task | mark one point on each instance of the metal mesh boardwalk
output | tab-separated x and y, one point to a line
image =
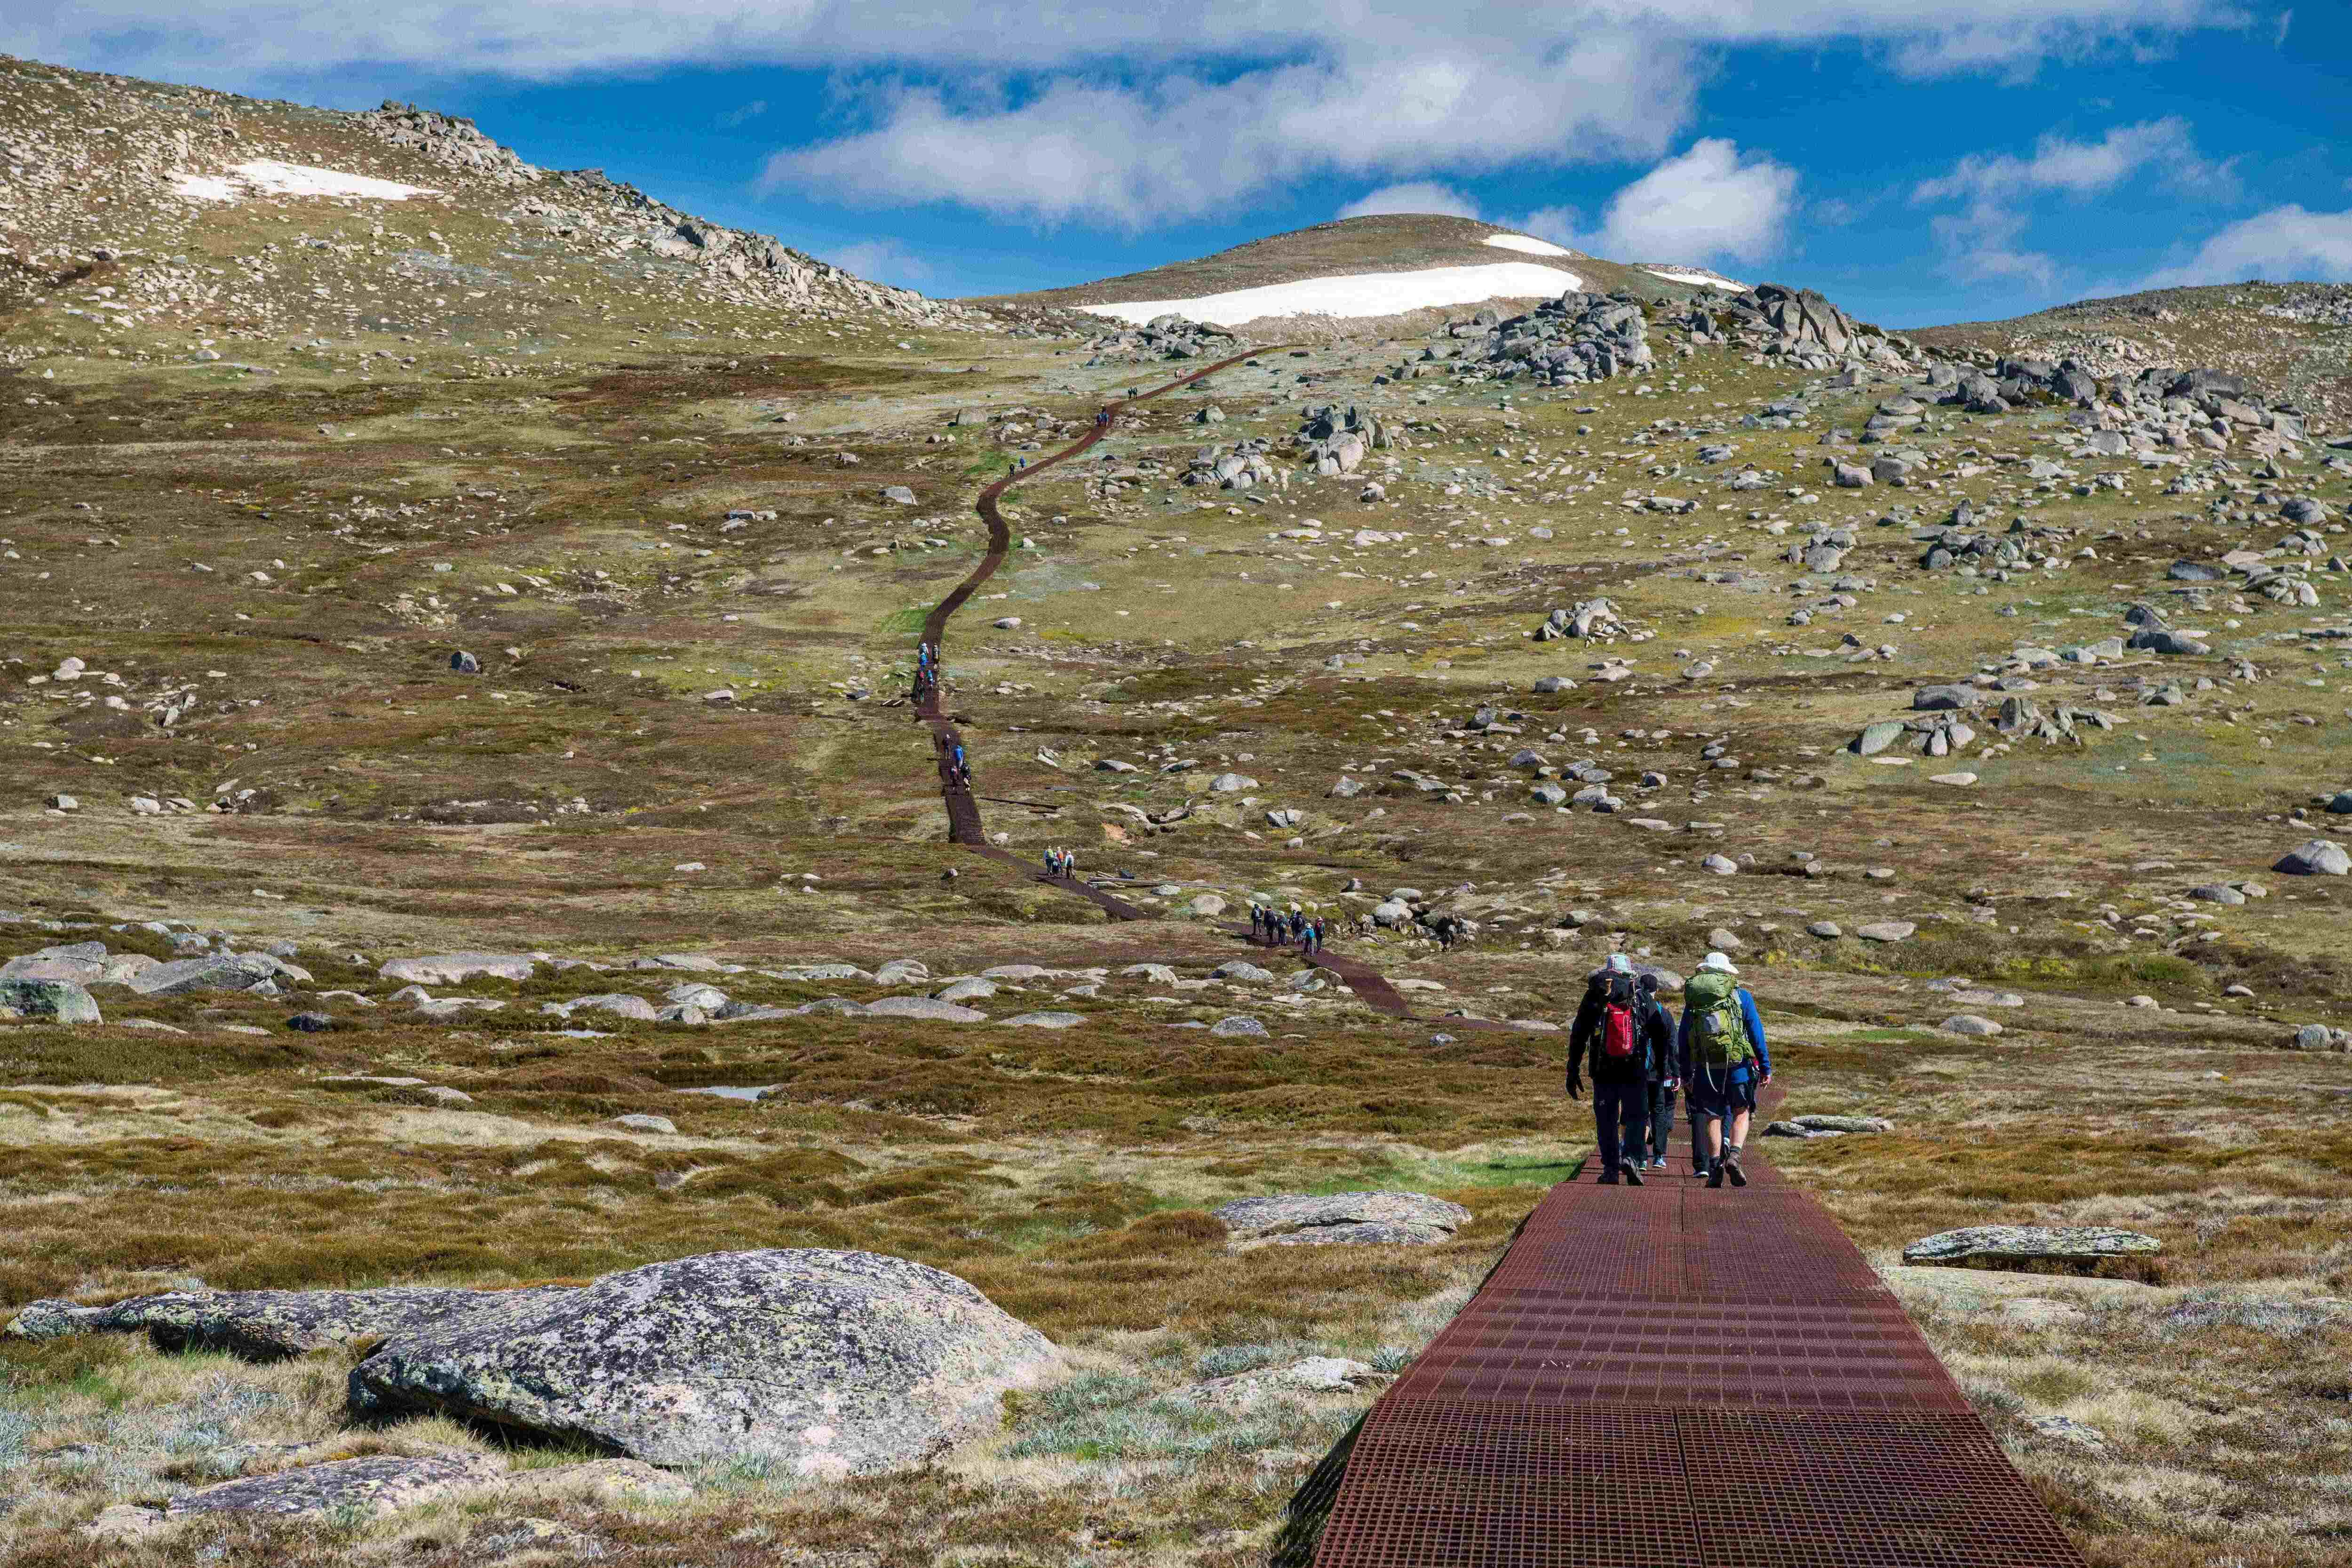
1673	1377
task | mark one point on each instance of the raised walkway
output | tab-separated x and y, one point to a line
1671	1376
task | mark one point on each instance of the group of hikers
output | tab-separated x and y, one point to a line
1277	928
927	668
1061	863
1714	1055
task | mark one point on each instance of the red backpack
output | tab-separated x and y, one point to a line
1617	1018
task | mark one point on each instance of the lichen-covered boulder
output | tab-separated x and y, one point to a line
2025	1243
270	1325
1342	1219
823	1363
62	1001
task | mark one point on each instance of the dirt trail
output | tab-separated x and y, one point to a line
964	824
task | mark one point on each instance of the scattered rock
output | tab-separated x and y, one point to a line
926	1008
60	1001
344	1488
1886	931
2022	1243
639	1122
2314	858
271	1325
457	968
1297	1219
1969	1024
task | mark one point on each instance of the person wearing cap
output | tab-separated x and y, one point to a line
1723	1058
1627	1033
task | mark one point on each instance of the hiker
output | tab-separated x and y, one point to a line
1298	923
1722	1059
1258	924
1623	1037
1664	1081
958	773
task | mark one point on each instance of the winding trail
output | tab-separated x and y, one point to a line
964	824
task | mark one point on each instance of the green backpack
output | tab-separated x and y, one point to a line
1718	1029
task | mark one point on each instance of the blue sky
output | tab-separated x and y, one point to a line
1920	161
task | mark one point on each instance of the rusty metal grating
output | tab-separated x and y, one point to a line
1669	1375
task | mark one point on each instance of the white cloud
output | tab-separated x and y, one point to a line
1139	156
2283	243
553	38
1417	196
879	261
1113	112
1994	192
1708	203
2077	168
749	111
2285	20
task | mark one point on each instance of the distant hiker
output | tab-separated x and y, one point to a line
1258	924
1298	923
1663	1076
1623	1037
1723	1059
958	770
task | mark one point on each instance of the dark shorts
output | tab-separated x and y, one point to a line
1718	1092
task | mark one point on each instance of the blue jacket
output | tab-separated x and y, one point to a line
1755	1035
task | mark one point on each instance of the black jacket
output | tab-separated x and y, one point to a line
1653	1038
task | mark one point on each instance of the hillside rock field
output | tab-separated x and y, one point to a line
501	1062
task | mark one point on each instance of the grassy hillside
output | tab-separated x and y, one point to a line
527	420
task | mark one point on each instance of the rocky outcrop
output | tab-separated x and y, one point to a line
824	1364
585	205
1167	337
1342	1219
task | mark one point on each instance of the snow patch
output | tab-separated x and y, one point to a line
1358	294
268	177
1526	243
1697	279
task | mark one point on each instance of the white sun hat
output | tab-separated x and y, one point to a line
1717	960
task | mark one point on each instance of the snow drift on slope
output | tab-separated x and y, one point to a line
1697	279
1528	243
268	177
1358	294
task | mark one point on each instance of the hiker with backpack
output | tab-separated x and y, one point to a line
1662	1078
1625	1033
1723	1059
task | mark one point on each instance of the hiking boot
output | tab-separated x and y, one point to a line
1607	1178
1715	1177
1659	1163
1632	1176
1731	1168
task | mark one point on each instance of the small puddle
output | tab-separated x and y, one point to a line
734	1090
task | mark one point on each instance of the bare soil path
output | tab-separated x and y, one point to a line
964	824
